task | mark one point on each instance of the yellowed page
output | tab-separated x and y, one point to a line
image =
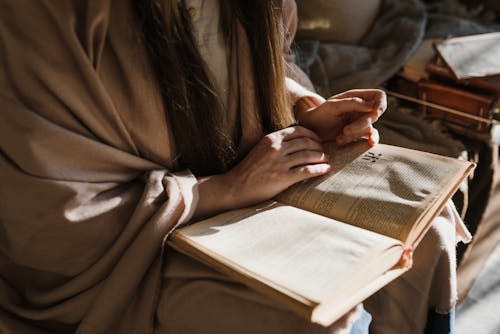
301	254
383	188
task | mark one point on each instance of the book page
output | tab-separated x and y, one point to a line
295	251
385	189
414	68
472	56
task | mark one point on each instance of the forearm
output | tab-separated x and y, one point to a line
303	108
216	194
303	101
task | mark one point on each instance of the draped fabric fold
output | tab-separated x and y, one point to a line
89	183
88	195
88	190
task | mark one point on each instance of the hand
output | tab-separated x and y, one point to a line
278	161
345	117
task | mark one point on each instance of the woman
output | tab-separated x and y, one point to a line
121	120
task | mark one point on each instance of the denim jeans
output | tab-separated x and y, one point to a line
361	325
436	323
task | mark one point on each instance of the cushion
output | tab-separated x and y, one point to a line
334	20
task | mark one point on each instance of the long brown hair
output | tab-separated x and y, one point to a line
193	108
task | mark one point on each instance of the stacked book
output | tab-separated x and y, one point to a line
462	75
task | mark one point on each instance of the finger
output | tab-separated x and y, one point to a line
350	134
303	158
368	94
301	173
374	137
383	101
350	104
297	131
358	127
300	144
380	106
376	97
370	133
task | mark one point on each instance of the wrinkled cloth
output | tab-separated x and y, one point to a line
338	66
379	55
87	196
197	299
406	128
90	186
333	66
486	239
430	286
395	34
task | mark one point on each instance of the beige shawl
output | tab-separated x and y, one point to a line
86	193
87	196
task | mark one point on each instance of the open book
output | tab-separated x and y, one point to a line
326	244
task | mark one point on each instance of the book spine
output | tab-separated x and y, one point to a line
480	85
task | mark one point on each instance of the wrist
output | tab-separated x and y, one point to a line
216	194
304	108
